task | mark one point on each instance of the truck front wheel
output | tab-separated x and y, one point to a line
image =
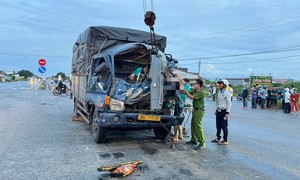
161	132
99	133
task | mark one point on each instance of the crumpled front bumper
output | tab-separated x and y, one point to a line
130	120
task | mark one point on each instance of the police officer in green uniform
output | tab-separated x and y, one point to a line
196	124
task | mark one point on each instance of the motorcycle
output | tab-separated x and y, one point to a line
58	91
240	98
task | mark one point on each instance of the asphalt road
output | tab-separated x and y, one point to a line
40	141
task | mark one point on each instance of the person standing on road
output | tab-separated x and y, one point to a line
274	95
222	112
254	96
263	95
245	94
258	100
287	105
283	98
295	101
197	133
269	98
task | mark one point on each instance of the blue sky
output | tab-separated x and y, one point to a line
196	30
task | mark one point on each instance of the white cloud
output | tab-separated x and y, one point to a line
249	69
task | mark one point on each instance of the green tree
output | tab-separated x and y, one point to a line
25	73
62	75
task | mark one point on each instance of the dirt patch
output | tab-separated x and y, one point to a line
149	150
105	156
118	155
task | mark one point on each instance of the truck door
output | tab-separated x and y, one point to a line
157	83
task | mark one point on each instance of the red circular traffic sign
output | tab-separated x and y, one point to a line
42	62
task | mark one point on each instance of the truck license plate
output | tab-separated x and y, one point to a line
148	117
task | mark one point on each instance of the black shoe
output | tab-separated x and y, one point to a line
215	140
191	142
200	147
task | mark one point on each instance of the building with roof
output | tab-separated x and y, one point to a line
238	81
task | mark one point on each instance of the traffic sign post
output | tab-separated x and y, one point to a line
42	69
42	62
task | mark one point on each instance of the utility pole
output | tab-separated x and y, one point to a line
199	65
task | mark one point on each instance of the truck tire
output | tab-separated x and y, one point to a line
99	133
160	132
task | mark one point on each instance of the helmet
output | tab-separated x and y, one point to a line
224	81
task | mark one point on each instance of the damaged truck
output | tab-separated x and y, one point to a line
106	96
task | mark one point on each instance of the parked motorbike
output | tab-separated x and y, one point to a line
240	98
58	91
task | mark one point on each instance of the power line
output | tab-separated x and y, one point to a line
252	27
258	60
243	54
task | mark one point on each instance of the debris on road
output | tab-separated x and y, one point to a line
77	118
115	166
124	170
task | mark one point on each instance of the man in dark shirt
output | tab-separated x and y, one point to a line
269	98
245	94
274	94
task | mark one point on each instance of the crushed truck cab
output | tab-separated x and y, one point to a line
105	60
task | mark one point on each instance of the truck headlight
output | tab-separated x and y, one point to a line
116	105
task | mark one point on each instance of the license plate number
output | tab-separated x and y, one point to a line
148	117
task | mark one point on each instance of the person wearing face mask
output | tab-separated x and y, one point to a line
222	112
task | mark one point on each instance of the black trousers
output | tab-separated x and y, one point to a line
268	102
221	124
283	102
287	107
